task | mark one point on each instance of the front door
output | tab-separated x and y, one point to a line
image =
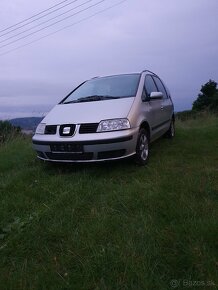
156	112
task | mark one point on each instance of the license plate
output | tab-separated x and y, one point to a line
63	147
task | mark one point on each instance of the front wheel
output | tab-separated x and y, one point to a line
142	147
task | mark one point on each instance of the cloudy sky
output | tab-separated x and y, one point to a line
178	40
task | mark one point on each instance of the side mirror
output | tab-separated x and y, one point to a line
156	96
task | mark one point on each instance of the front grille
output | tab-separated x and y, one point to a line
88	128
70	156
111	154
50	129
67	130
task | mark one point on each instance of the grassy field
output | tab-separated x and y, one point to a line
113	225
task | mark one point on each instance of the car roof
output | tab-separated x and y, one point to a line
123	74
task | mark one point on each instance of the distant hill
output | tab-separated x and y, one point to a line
28	123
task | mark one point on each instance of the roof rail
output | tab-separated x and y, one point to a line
150	72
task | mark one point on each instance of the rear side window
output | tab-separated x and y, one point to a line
161	87
150	85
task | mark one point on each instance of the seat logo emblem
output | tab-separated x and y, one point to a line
66	130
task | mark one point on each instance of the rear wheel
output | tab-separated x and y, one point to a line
142	147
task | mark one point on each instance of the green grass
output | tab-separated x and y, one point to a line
112	225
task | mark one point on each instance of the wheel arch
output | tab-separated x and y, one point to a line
146	126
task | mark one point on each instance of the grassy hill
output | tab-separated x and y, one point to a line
113	225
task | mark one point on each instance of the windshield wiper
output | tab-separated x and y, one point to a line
92	99
95	98
70	102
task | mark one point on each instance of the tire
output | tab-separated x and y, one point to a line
171	131
142	148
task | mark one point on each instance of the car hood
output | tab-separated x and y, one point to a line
88	112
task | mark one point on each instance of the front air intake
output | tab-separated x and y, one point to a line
88	128
50	129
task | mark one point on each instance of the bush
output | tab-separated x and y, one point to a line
208	98
8	131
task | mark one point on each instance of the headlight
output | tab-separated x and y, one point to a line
113	125
40	128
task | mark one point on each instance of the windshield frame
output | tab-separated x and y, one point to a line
129	74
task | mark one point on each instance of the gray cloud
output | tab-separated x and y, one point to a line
175	39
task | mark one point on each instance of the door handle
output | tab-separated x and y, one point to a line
161	108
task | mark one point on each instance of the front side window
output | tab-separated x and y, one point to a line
150	85
98	89
161	87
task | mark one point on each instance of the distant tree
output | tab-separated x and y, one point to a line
208	98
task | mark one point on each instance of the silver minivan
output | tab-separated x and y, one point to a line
107	118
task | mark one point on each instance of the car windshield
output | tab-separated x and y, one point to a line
106	88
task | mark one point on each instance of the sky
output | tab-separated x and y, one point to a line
178	40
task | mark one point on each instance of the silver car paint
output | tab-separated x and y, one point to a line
90	112
150	112
134	109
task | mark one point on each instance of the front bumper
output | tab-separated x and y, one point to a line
86	147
